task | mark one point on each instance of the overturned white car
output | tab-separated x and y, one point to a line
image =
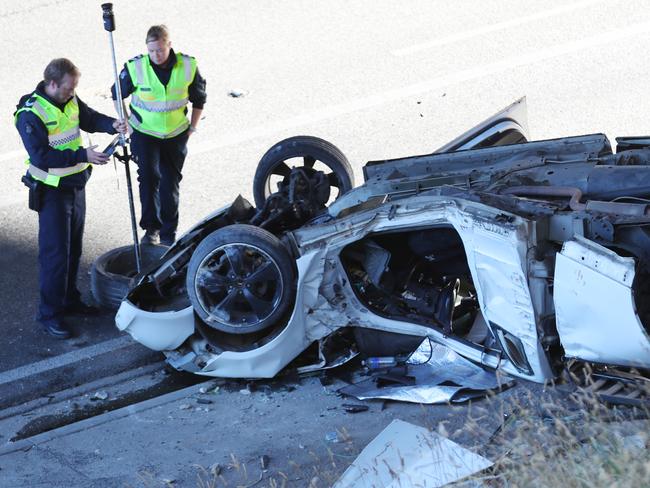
517	255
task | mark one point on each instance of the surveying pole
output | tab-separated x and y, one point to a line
109	25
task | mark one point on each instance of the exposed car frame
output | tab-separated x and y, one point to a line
517	255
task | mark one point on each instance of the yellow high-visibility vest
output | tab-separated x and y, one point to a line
62	133
162	109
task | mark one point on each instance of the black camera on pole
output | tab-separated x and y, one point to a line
109	18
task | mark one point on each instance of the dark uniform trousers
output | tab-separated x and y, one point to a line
60	231
160	162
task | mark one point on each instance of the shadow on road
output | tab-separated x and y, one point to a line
23	339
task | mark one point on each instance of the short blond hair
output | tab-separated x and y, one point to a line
157	33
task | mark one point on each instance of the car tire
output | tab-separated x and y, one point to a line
272	163
112	273
241	279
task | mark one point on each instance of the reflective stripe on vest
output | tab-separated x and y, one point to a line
62	133
158	106
160	109
53	175
64	138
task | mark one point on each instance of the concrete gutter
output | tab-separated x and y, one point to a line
27	444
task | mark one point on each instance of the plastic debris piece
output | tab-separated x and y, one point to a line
635	442
237	93
332	437
380	362
99	395
354	408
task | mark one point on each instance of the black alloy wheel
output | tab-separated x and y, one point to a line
307	152
241	279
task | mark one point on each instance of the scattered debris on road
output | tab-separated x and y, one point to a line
237	93
433	374
332	437
100	395
354	408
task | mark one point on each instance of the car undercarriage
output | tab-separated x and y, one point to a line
517	255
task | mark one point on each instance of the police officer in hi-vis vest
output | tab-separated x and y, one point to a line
49	121
161	84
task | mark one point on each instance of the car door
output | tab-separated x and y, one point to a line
508	126
595	306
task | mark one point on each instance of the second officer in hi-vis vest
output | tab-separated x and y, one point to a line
49	121
161	84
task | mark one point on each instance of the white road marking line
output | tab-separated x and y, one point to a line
64	359
461	36
395	94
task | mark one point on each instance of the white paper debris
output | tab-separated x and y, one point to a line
404	454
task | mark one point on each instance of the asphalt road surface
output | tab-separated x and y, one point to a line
379	79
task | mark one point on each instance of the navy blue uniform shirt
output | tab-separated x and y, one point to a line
34	135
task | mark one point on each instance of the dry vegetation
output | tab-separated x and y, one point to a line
572	440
